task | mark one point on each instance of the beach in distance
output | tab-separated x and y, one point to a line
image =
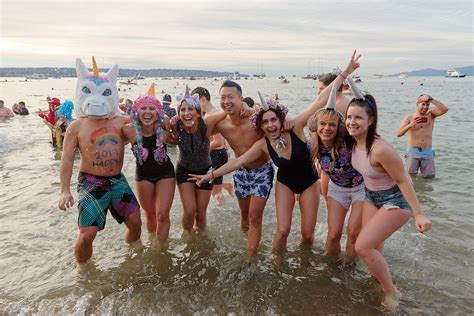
206	275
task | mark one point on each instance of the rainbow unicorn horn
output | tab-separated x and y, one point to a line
151	90
262	100
95	70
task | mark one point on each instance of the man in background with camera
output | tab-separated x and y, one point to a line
419	126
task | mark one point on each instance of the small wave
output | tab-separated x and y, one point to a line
7	142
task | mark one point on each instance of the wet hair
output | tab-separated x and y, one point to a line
328	78
250	102
21	103
203	92
371	108
1	101
316	144
231	84
167	99
277	110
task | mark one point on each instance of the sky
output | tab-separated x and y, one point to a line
276	37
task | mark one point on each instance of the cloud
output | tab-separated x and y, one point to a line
287	37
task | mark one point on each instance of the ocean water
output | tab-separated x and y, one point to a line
206	275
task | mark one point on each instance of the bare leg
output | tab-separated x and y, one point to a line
187	193
164	192
244	205
284	202
257	205
134	227
336	216
354	226
309	204
83	247
202	198
146	196
381	225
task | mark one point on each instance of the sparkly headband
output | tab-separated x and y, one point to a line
192	100
266	105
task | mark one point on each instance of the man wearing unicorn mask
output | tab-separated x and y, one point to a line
97	133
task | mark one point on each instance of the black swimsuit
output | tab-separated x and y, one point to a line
297	173
150	170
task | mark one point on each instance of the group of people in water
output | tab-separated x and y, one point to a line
17	108
359	170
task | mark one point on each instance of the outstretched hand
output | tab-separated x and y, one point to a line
199	178
353	63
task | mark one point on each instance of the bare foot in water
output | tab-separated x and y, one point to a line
391	301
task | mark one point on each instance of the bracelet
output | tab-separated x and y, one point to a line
342	75
212	173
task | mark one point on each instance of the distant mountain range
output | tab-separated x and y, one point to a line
127	73
468	70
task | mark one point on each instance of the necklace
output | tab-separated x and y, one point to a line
280	144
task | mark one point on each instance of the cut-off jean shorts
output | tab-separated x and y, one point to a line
389	199
345	196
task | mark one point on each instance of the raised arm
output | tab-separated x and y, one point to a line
67	162
212	120
250	155
302	118
441	109
388	158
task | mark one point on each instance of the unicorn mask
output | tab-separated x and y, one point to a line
96	93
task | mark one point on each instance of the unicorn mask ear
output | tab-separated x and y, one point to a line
358	94
263	101
81	69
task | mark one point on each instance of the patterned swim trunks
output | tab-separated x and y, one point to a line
257	182
97	194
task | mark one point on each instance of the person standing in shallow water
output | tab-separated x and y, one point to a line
154	173
191	133
419	126
97	134
289	151
390	196
5	113
219	154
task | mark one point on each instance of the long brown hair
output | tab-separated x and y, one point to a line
371	109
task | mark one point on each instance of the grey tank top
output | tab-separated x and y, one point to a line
194	148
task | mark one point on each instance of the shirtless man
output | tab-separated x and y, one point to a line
219	154
253	182
97	133
5	113
419	126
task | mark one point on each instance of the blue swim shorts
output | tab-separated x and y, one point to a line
257	182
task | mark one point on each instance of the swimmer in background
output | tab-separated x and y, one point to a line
419	126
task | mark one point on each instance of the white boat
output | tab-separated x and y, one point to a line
36	76
403	76
453	73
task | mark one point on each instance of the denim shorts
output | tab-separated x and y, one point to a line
389	199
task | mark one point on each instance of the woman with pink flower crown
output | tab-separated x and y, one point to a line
289	151
154	173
